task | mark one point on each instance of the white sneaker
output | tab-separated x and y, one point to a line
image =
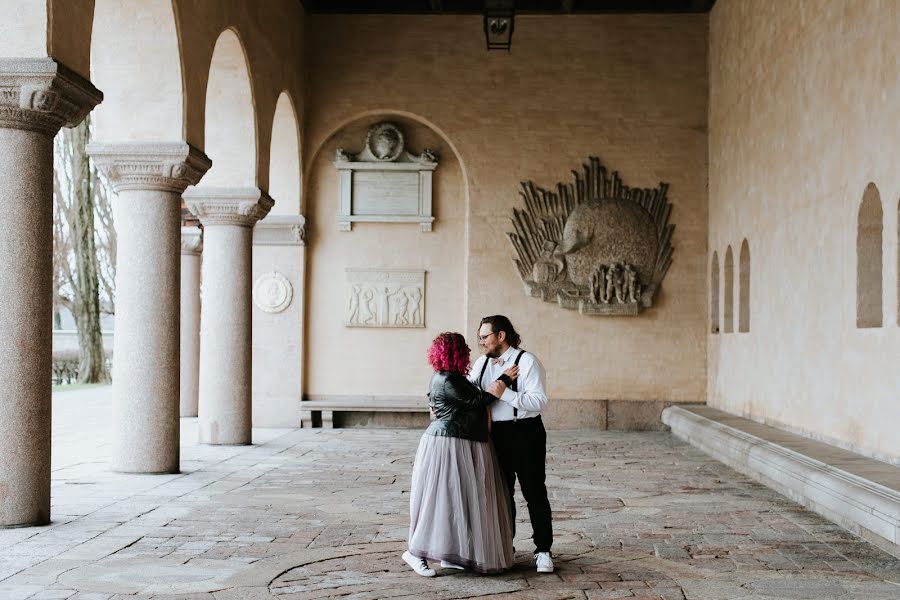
419	565
449	565
543	562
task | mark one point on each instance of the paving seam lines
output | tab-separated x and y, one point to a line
171	499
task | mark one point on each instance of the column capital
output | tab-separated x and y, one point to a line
280	230
160	166
228	206
191	241
42	95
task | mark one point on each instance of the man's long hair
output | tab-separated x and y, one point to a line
500	323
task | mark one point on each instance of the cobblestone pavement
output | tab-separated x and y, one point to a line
310	514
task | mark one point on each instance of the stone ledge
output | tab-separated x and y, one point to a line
803	470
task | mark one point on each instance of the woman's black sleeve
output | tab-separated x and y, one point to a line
462	392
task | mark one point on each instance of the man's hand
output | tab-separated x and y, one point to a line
496	388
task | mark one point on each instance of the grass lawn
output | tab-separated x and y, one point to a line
75	386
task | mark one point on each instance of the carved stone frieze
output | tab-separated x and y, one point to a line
594	245
228	206
385	298
40	94
280	230
385	183
191	240
272	292
169	167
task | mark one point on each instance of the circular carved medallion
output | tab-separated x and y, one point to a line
272	292
385	141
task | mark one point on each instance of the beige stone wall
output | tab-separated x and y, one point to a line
804	113
344	361
629	89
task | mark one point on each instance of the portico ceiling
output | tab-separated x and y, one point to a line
522	6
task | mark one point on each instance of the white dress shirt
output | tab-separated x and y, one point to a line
530	399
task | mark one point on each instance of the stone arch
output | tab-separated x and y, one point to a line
869	233
387	113
744	288
230	121
284	158
391	245
714	294
728	309
136	61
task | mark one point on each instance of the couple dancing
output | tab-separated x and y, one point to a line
487	432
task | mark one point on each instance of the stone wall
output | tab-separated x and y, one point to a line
629	89
804	113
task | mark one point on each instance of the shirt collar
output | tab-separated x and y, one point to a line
507	356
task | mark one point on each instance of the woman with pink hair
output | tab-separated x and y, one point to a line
459	507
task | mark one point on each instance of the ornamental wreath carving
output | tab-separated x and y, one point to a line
594	245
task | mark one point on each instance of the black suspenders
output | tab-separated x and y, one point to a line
514	386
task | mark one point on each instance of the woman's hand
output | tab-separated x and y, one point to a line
496	388
512	372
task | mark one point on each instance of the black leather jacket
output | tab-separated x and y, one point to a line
460	408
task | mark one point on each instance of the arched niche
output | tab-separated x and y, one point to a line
729	291
230	120
136	61
284	159
714	294
869	233
744	288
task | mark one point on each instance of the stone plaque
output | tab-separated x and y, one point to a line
385	298
272	292
385	183
385	193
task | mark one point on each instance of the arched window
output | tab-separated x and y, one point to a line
744	293
714	294
868	259
729	291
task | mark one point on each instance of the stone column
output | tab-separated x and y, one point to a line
149	179
38	96
228	216
191	247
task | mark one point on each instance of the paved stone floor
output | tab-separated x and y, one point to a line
323	514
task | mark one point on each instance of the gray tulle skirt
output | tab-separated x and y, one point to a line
458	505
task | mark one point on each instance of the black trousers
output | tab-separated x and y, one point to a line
522	451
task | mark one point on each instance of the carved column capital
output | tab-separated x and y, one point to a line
280	230
42	95
228	206
160	166
191	241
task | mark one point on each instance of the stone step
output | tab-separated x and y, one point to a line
856	492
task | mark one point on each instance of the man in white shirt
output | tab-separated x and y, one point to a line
517	430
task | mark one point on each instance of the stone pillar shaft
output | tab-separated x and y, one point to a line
37	98
228	216
191	247
149	179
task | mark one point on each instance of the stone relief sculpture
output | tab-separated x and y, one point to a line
594	245
385	298
272	292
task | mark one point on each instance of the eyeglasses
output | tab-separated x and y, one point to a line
481	338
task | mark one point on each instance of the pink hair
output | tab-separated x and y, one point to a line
449	352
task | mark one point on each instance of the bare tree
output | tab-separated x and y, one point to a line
82	252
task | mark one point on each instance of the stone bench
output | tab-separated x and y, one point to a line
856	492
390	411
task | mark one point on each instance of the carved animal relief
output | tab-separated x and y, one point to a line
594	245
